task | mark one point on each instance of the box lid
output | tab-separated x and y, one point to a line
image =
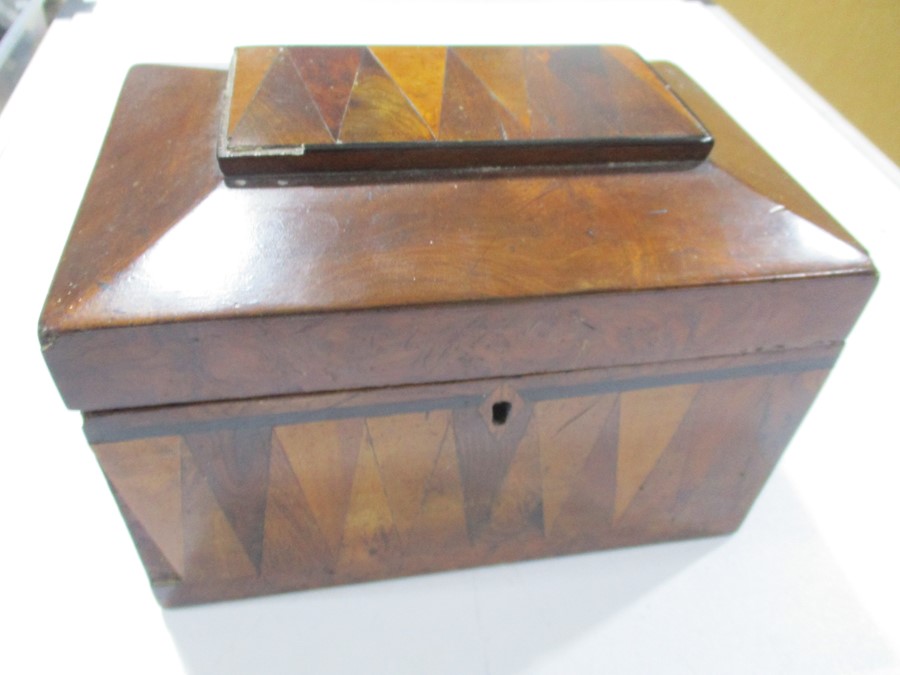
177	285
314	110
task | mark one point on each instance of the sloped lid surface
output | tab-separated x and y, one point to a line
162	240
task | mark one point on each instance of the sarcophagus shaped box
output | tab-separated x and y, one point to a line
351	313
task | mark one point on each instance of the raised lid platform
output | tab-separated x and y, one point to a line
311	110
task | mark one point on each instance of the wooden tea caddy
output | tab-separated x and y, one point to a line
344	314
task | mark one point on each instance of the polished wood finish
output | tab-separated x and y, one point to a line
311	491
290	386
311	110
238	358
738	155
426	280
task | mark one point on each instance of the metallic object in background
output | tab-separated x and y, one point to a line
24	24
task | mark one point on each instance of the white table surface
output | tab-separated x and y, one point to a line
808	585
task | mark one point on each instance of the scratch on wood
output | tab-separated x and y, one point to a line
572	419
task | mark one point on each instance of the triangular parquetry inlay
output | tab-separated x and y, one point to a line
370	543
569	95
469	112
717	456
502	70
159	569
485	454
293	540
787	399
378	111
236	467
329	74
323	457
212	550
147	478
588	509
568	431
250	68
652	109
419	73
282	113
518	509
407	448
648	420
441	524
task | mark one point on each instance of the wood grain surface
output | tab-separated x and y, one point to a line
302	110
316	492
175	288
297	386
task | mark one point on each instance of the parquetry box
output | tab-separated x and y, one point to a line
351	313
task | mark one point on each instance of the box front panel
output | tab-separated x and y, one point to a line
316	491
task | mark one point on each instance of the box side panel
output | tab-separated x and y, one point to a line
236	359
322	490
